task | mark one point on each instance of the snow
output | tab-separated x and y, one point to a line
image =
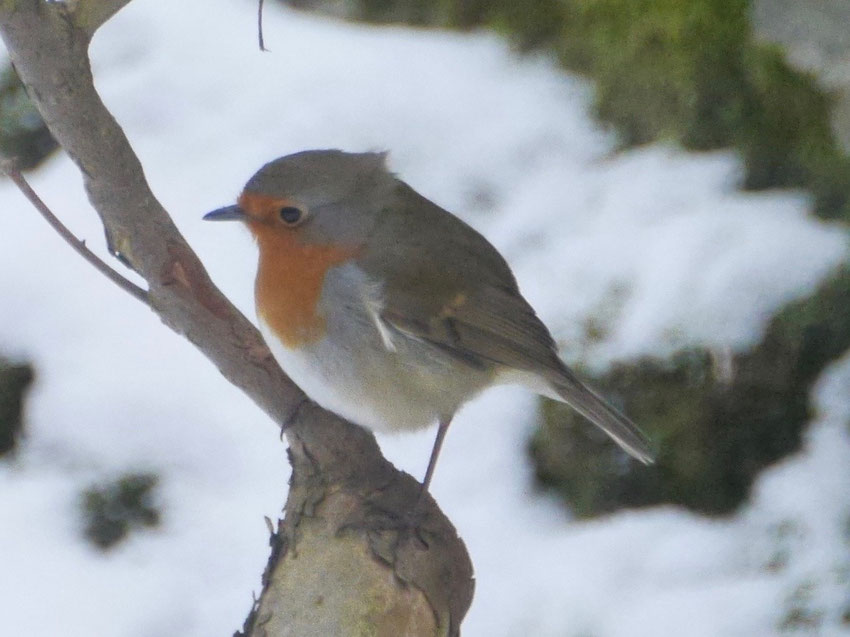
654	246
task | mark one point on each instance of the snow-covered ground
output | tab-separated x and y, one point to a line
656	244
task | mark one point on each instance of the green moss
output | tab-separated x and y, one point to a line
398	11
15	379
713	436
530	25
111	510
690	72
663	69
785	137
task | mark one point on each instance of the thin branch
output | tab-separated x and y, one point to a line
89	15
260	25
79	246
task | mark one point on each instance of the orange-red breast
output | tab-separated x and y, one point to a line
389	310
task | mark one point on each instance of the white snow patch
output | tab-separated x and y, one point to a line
658	240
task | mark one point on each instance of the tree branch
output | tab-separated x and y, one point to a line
89	15
79	247
260	26
345	498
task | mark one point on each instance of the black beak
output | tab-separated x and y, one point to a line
229	213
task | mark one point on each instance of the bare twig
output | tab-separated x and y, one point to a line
260	25
79	246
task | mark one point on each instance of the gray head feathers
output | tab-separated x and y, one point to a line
321	177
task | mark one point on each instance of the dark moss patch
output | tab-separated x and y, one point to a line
112	509
15	379
664	69
785	136
713	437
691	72
23	134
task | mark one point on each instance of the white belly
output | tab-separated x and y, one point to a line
330	378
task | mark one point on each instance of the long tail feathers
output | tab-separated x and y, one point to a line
585	401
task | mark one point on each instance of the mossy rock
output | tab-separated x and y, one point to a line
691	72
15	379
713	434
664	69
785	136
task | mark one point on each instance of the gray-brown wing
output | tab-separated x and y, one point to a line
459	295
456	292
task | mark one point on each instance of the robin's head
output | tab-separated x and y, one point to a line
322	196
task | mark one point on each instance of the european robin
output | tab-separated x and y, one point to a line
389	310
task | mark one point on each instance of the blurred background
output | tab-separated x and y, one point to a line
670	180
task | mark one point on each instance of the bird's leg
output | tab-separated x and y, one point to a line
435	452
410	523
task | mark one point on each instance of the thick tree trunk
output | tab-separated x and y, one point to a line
354	554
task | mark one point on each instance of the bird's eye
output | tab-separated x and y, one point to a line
290	215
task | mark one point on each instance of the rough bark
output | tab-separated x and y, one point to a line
351	557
